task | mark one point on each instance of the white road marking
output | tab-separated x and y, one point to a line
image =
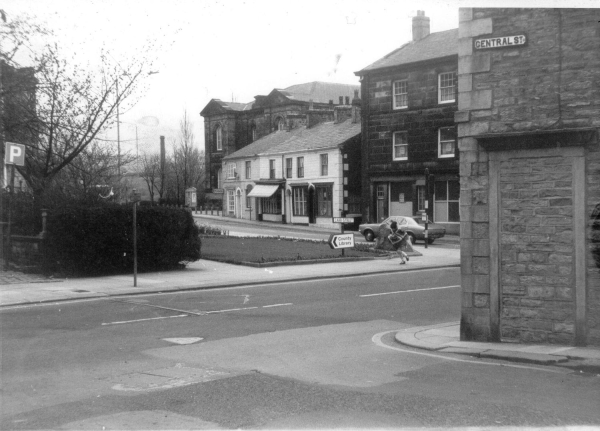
377	340
158	306
143	320
412	290
190	340
200	313
231	309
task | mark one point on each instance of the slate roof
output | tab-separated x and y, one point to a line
320	92
435	45
323	135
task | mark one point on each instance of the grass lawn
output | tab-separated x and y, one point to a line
261	250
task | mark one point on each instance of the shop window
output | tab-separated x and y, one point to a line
272	205
324	200
446	200
300	200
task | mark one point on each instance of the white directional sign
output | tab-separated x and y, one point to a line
343	219
344	240
14	154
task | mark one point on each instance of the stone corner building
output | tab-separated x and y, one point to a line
528	122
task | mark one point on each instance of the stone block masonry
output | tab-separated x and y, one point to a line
530	173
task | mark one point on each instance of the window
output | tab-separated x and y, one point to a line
420	198
220	179
272	205
324	164
299	199
248	169
231	170
300	168
272	169
400	94
380	191
447	194
446	141
279	124
400	146
446	87
231	201
253	132
288	168
219	138
324	202
248	199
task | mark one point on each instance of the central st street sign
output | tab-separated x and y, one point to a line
344	240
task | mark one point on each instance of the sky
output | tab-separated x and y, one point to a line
234	50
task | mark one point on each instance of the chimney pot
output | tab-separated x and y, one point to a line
341	100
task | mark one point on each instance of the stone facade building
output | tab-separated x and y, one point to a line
409	101
231	126
528	122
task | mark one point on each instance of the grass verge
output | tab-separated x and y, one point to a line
270	250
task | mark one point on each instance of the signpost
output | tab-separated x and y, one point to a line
344	240
14	154
135	198
341	221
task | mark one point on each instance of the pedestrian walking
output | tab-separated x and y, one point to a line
398	238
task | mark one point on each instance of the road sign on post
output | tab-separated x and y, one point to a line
345	240
14	154
343	219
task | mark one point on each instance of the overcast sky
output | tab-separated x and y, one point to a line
236	49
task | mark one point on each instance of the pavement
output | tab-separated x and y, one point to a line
18	289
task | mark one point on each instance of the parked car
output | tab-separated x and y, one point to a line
413	225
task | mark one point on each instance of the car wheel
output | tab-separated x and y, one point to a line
369	236
413	240
430	240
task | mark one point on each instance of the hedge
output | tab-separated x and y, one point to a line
99	240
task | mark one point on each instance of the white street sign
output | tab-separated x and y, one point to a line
343	219
345	240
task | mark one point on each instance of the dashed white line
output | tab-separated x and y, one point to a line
406	291
231	309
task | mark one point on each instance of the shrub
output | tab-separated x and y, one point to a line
85	240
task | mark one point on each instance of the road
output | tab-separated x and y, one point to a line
316	354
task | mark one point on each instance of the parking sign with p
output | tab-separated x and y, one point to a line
14	154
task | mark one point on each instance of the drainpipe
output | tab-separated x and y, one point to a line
284	221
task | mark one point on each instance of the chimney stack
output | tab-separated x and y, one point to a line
420	26
356	108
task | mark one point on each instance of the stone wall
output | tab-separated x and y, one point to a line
530	175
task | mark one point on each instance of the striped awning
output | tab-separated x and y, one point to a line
263	191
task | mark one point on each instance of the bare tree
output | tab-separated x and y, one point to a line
151	174
187	161
72	107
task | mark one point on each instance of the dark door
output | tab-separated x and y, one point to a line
311	205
